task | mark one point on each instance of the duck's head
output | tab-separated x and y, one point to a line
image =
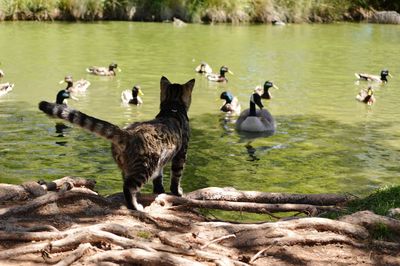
223	70
267	85
227	96
68	79
384	74
136	90
112	66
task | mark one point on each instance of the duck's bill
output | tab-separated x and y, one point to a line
141	92
390	75
230	72
61	82
276	87
119	70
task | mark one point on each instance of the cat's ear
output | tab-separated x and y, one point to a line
187	92
164	84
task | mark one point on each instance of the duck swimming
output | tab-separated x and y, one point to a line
366	96
267	85
104	71
77	86
231	104
203	68
252	120
131	96
374	78
6	88
221	76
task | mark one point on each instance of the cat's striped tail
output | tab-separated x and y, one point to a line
92	124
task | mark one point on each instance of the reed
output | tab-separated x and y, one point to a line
209	11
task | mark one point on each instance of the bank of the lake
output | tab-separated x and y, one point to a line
204	11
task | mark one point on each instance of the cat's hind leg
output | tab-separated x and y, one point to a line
131	188
158	187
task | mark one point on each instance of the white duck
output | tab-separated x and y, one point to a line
131	96
252	120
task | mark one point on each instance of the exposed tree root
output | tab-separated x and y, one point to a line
72	225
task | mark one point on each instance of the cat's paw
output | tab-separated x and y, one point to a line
158	190
177	191
139	207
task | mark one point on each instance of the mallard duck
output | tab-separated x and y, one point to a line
375	78
221	76
366	96
77	86
231	104
252	120
103	71
203	68
265	91
5	88
62	95
131	96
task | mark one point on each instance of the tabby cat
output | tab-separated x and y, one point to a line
142	149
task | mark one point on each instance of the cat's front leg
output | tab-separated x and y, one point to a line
178	162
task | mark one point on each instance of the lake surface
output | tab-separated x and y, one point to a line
326	141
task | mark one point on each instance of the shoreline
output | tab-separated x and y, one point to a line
181	12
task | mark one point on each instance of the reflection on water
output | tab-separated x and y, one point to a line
325	141
60	130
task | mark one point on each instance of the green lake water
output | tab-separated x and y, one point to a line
325	141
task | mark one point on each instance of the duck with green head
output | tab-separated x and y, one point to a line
374	78
231	104
266	94
253	120
132	96
104	71
221	76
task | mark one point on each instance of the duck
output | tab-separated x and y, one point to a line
77	86
62	95
104	71
374	78
221	76
231	104
266	94
203	68
131	96
6	88
366	96
252	120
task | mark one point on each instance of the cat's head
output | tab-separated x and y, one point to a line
173	92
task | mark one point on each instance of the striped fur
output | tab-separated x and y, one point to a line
142	149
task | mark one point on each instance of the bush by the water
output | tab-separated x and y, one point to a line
208	11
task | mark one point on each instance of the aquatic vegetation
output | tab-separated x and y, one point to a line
208	11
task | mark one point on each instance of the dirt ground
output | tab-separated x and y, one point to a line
75	226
